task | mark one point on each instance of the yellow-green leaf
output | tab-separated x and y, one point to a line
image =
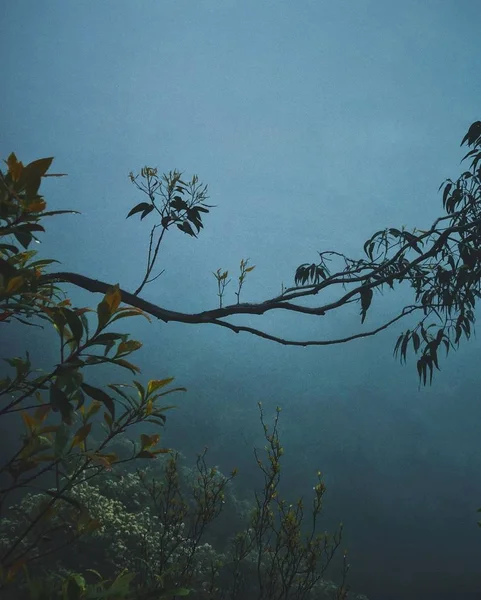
113	298
127	347
15	284
81	434
92	409
155	384
130	312
103	314
42	412
15	167
30	422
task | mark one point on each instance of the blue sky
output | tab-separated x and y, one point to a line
315	124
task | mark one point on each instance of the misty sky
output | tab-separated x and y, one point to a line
315	124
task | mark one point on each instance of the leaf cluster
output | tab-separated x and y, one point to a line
174	202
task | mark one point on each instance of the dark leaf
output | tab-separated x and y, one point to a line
101	396
147	211
366	298
60	403
139	208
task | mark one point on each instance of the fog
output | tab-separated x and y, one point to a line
314	124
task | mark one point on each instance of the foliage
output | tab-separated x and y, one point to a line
175	202
153	524
60	409
289	553
70	426
442	265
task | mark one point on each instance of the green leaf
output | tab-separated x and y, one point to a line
74	587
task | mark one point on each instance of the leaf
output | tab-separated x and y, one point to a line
117	388
74	323
30	422
473	135
15	167
416	341
127	347
155	384
81	434
404	345
366	298
108	420
15	284
59	402
103	314
140	389
186	228
130	312
142	206
106	339
113	298
42	412
126	365
9	248
106	460
40	166
147	441
145	454
37	206
178	204
101	396
92	409
147	211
